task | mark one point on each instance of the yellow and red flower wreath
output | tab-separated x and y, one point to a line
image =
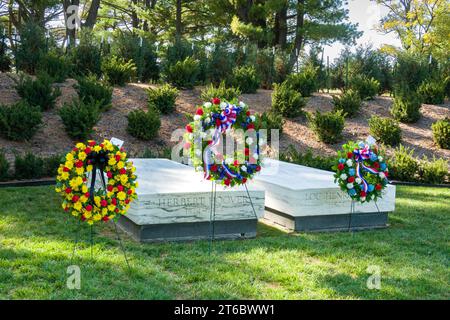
83	201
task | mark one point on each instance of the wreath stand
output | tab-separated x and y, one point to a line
352	211
212	213
91	232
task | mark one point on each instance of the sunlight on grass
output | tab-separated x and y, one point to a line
37	241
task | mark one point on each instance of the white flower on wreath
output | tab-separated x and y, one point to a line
382	175
349	163
253	118
207	105
363	198
343	176
349	185
249	140
198	152
256	156
229	160
380	158
200	168
242	104
244	168
223	105
358	180
197	117
207	120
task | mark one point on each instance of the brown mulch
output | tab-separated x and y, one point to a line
52	139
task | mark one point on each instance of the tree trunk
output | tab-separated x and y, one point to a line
134	17
91	19
178	23
70	32
299	35
281	28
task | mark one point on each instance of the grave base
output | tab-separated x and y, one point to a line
323	223
188	231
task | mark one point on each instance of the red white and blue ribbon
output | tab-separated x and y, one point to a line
360	156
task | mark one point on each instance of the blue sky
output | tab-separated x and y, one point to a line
366	13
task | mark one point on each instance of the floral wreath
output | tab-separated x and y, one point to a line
85	202
361	171
204	135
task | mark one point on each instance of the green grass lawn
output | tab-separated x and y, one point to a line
37	239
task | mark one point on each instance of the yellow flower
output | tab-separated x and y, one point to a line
97	217
80	146
75	182
75	213
64	176
123	178
84	189
69	157
111	207
120	164
136	184
77	206
121	196
79	171
112	161
97	201
87	214
90	222
60	170
97	148
84	199
82	156
89	168
104	211
58	190
69	164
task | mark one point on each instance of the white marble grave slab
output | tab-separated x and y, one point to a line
300	191
170	192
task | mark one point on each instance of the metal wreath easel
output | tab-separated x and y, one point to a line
212	213
352	211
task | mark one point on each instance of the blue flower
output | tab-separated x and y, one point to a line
361	145
373	157
341	160
351	172
352	192
383	166
371	187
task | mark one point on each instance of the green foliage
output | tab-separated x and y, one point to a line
403	165
19	121
222	92
441	133
118	71
308	159
163	98
411	70
183	74
220	65
127	46
286	101
367	87
28	167
57	67
51	165
265	68
432	92
349	102
5	60
328	126
165	153
271	120
433	172
406	106
178	51
305	82
144	125
31	48
86	56
385	130
38	92
79	118
246	79
4	167
91	89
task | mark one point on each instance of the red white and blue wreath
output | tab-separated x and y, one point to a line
361	171
204	139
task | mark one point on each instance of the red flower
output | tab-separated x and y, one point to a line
87	195
386	173
258	168
236	163
376	165
216	101
362	194
110	188
123	171
244	180
65	169
109	174
199	111
248	113
214	168
114	201
246	151
89	207
68	190
349	155
209	142
104	203
189	128
341	166
378	187
117	210
118	157
130	192
101	145
87	150
79	164
351	179
92	143
227	182
105	218
83	218
251	126
127	201
75	149
120	187
75	198
218	122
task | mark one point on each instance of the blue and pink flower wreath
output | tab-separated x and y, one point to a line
361	171
218	118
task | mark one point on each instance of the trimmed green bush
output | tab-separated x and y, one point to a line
286	101
219	65
406	106
411	69
19	121
91	89
144	125
308	159
385	130
31	47
163	98
4	167
38	92
222	92
79	118
305	82
349	102
86	56
403	165
271	120
28	167
246	79
367	87
441	133
432	92
117	71
434	172
57	67
51	165
328	126
183	74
